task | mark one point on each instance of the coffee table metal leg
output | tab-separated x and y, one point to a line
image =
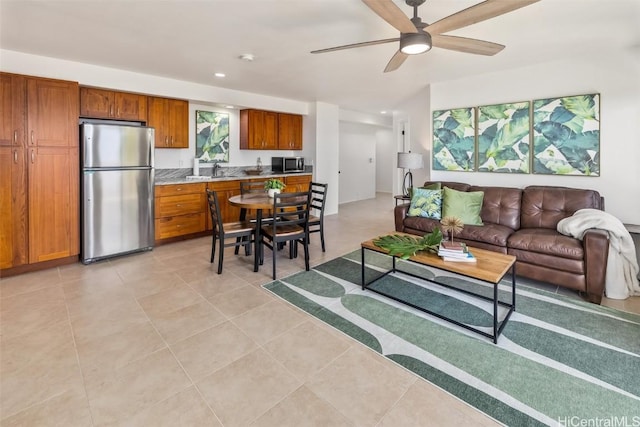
362	266
495	313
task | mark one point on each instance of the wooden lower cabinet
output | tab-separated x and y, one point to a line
183	210
225	190
180	209
296	183
13	207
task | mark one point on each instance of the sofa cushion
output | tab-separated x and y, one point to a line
501	205
462	204
426	203
544	207
547	242
493	234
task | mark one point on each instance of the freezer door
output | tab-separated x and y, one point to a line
117	212
116	146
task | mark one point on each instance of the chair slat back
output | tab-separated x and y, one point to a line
318	196
214	209
291	209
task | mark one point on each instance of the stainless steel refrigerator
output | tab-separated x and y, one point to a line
117	190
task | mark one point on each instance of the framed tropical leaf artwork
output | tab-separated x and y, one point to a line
503	138
566	135
454	140
212	136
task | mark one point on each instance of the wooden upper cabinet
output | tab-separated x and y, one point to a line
258	130
170	119
267	130
52	113
289	131
108	104
13	114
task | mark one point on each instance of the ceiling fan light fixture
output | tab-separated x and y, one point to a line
415	43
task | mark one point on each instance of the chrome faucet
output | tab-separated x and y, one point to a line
216	166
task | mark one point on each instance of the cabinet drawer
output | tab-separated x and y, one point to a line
179	205
179	225
177	189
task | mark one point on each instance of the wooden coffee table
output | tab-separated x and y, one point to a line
490	267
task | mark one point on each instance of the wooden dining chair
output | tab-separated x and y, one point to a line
242	231
318	201
288	226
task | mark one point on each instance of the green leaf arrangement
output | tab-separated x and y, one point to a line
404	246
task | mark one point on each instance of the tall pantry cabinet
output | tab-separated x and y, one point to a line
39	167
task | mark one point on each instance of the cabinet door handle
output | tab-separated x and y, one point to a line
15	136
15	156
111	110
166	141
33	153
178	205
172	141
32	143
118	112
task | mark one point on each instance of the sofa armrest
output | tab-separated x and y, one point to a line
596	253
400	212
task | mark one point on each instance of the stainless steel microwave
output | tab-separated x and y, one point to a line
287	164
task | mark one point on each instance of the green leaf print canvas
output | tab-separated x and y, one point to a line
454	140
212	136
566	135
503	138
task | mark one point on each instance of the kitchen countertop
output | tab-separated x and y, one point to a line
235	177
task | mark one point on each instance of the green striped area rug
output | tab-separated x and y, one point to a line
559	361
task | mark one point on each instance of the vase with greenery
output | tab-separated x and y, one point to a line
274	186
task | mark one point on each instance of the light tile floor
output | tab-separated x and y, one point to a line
160	339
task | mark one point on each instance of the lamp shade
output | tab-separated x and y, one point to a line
410	161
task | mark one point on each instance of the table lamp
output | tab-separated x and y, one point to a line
409	161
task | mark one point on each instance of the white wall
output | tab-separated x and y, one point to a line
616	76
385	160
414	116
325	117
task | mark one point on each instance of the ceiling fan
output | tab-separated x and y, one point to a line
418	37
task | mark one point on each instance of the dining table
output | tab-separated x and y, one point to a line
257	202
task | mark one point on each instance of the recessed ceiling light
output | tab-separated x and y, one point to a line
220	75
229	106
383	112
247	57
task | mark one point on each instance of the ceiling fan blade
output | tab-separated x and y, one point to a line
391	13
463	44
478	13
396	61
354	45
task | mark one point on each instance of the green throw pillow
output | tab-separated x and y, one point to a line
426	203
465	205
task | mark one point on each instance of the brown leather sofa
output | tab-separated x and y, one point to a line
522	222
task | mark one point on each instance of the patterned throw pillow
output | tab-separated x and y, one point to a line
426	203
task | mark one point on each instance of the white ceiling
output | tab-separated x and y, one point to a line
190	40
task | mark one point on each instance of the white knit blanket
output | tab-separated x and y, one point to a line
622	266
